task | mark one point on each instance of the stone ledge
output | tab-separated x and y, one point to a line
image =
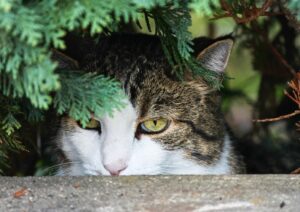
151	193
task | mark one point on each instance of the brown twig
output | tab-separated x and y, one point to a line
292	98
249	14
266	14
296	112
281	59
295	97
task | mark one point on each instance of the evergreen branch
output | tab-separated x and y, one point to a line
294	6
10	124
84	94
172	27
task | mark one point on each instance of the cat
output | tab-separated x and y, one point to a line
168	126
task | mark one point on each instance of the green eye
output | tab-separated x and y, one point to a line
154	125
92	124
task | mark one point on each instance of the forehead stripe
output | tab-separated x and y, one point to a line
134	82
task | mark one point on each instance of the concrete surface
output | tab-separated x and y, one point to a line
151	193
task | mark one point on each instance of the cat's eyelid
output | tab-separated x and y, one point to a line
98	127
97	119
151	118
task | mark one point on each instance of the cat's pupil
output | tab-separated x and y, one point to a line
155	122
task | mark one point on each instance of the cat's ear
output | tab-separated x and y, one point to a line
215	56
64	61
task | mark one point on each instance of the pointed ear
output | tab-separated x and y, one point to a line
215	56
64	61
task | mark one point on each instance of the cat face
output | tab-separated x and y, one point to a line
168	126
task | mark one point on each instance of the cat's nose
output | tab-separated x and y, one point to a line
115	168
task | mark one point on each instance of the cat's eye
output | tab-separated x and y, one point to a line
154	125
93	124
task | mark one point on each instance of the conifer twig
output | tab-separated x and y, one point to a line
295	97
249	13
296	112
282	59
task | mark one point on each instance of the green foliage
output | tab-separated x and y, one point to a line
294	6
10	124
82	93
9	109
204	7
172	27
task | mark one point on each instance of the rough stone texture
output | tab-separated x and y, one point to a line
151	193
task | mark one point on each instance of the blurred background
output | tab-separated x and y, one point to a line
255	89
265	54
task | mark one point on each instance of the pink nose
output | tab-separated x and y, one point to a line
115	168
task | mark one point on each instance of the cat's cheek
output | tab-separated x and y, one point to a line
146	158
83	146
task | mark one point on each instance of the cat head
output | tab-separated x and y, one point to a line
169	126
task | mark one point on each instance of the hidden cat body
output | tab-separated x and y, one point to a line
168	126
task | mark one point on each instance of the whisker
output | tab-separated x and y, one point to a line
65	172
53	169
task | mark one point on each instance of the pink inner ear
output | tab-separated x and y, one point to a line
215	57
